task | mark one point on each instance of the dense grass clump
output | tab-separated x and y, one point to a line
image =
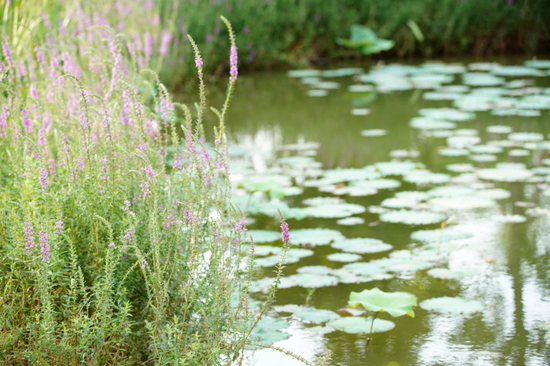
118	245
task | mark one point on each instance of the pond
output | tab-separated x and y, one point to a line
438	171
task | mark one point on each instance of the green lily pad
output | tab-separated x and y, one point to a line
344	257
351	221
334	211
410	217
452	305
447	114
263	236
316	316
374	132
394	303
436	235
362	245
360	325
307	280
315	236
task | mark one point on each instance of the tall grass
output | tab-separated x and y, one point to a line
118	244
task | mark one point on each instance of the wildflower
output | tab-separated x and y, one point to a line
112	245
44	246
165	39
145	189
34	92
240	226
41	137
128	235
27	122
198	62
29	238
44	178
143	263
233	59
285	233
127	205
59	227
52	166
4	121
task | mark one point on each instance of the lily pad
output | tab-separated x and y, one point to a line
334	211
452	305
362	246
344	257
316	316
351	221
411	217
374	132
315	236
360	325
264	236
436	235
394	303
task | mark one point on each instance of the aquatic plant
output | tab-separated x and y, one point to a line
376	301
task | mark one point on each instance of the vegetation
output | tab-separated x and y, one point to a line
107	255
295	32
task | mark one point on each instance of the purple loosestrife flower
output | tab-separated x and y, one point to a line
145	189
29	239
233	60
128	235
241	226
7	54
165	39
198	62
34	92
52	166
112	245
42	137
27	122
4	121
59	227
189	143
44	246
44	178
285	232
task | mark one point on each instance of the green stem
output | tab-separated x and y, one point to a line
371	327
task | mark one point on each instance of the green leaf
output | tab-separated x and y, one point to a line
415	29
394	303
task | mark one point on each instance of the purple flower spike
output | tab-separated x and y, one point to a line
198	62
233	60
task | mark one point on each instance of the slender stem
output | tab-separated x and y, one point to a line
371	327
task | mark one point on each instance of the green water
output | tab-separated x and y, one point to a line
270	110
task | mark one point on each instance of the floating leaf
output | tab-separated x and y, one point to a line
360	325
343	257
411	217
316	316
362	245
316	236
394	303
